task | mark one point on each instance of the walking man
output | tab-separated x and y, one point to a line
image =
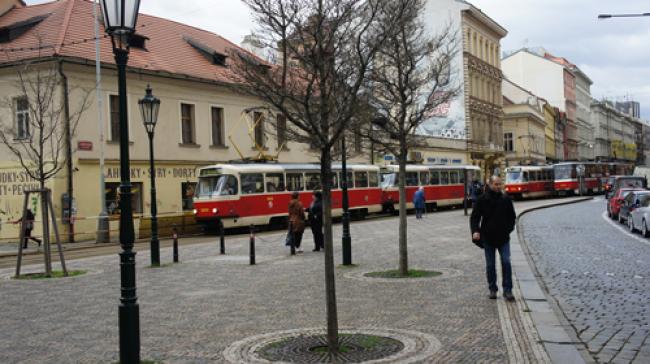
28	226
315	218
492	221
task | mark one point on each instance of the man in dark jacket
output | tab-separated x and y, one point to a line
492	221
315	218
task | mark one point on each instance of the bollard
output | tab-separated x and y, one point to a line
222	239
252	245
175	248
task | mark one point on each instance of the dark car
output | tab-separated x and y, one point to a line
633	182
608	185
615	202
630	202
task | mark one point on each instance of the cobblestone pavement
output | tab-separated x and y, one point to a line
599	275
192	311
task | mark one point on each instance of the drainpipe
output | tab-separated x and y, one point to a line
68	150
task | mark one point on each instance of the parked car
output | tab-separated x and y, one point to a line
614	203
631	201
639	217
628	182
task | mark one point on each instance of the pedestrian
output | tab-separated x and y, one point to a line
475	191
28	226
492	221
315	218
418	202
296	220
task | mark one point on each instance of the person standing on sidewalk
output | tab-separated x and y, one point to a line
296	220
315	218
492	221
418	202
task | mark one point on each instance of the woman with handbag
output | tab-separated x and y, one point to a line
296	220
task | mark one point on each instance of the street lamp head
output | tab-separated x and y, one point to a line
120	17
149	106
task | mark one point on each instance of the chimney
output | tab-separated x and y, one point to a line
7	5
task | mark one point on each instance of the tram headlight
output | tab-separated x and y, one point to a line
195	211
215	210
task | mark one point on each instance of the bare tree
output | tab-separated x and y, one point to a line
39	136
325	49
411	79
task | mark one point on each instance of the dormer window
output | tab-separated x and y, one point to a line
11	32
138	41
210	54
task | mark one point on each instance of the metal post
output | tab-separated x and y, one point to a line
175	248
252	245
465	193
222	239
129	311
346	238
102	221
155	243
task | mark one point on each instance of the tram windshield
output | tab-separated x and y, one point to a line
221	185
515	176
566	171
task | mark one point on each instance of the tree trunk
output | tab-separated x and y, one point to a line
330	283
46	230
403	250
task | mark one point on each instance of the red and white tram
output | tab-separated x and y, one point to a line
567	181
244	194
529	181
443	185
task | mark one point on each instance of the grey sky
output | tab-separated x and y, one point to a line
613	53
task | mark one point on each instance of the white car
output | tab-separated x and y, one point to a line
639	218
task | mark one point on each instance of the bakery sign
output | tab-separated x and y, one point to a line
85	145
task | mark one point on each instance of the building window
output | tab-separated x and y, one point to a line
114	110
187	195
113	197
22	118
358	144
281	124
217	127
258	129
507	142
187	124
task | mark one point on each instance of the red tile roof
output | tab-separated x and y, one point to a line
68	31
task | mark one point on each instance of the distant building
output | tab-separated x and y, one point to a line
632	108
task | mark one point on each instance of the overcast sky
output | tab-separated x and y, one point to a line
614	53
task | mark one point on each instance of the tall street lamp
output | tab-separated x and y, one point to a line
120	17
149	106
346	239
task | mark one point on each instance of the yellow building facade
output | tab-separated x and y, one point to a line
550	117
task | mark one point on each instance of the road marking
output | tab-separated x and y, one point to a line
624	230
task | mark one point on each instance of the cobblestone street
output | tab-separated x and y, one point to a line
192	311
599	275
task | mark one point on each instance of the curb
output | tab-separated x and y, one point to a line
556	333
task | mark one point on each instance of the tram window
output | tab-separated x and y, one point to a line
373	179
533	176
424	178
335	181
435	178
294	182
462	176
350	180
525	179
252	183
454	178
313	181
411	178
444	177
220	185
274	182
360	179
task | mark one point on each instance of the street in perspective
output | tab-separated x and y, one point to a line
309	181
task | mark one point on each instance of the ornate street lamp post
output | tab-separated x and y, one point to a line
149	106
120	17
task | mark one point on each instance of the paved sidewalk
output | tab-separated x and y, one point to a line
191	312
